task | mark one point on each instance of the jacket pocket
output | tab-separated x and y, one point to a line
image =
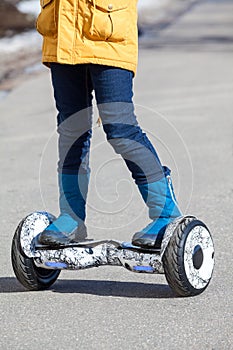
46	23
107	20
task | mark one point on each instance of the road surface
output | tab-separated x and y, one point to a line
183	97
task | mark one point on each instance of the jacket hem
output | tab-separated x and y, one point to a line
46	59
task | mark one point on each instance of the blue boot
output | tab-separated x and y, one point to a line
69	226
163	209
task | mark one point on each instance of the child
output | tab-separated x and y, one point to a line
91	45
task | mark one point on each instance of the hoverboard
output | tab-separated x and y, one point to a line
186	256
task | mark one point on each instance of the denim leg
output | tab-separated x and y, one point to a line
113	90
73	95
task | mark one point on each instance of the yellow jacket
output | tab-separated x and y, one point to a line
89	31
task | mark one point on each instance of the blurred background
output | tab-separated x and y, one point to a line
20	44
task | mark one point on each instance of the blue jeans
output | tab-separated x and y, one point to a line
73	87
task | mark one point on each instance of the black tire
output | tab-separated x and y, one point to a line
189	258
27	273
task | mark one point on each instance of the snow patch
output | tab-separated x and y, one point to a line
30	39
31	7
143	4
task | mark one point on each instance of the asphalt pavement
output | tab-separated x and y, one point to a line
183	99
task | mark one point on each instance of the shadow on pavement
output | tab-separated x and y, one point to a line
114	288
97	287
10	285
212	31
169	16
202	43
